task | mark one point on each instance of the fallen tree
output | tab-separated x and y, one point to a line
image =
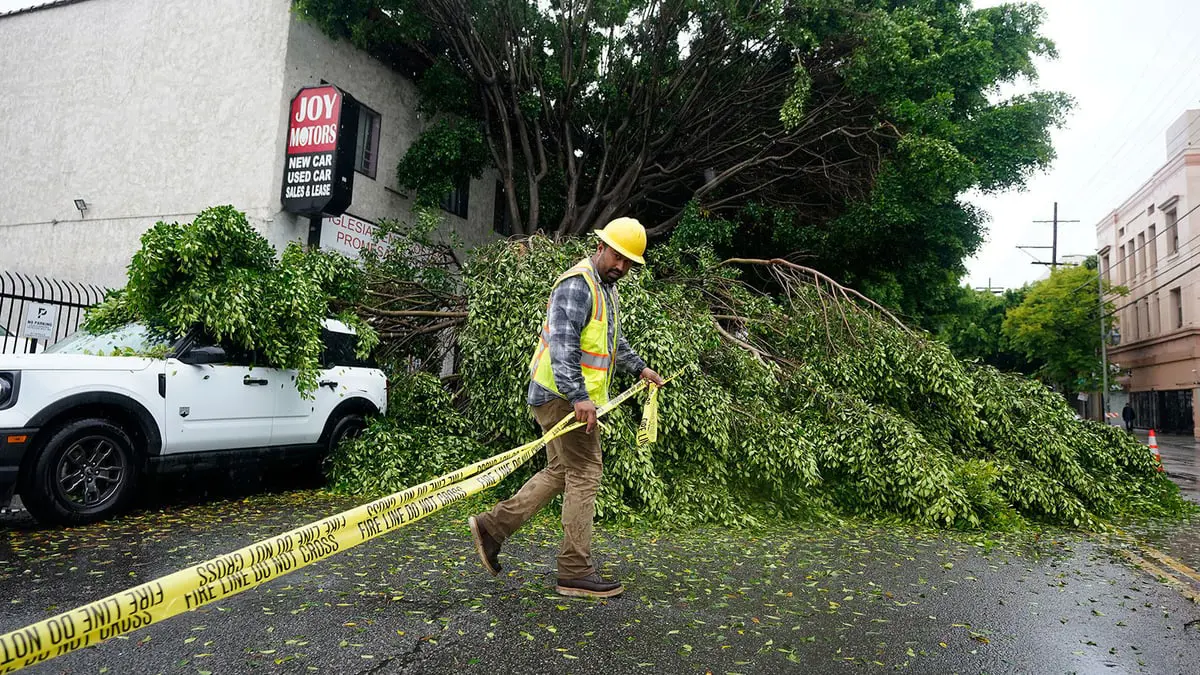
808	399
222	274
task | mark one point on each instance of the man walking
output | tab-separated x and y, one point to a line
1128	415
570	371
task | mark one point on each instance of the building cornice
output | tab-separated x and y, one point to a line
1151	342
1185	157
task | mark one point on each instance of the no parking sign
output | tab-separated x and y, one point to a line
40	319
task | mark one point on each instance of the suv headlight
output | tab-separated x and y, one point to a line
8	388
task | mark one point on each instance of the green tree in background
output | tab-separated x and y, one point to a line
841	132
973	329
1058	325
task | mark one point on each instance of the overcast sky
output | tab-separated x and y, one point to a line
1133	66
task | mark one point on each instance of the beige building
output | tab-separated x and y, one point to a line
1150	244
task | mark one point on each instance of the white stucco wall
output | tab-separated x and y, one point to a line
156	109
145	109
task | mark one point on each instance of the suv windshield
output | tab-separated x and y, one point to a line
128	340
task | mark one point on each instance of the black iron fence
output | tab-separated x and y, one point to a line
36	311
1164	411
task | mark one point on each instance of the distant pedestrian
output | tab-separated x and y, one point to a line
1128	416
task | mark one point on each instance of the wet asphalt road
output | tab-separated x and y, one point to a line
819	599
1181	457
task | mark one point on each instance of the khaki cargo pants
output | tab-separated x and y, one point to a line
573	467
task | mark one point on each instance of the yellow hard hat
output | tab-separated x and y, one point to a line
627	237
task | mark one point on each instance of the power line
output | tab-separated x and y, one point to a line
1168	268
1130	167
1137	130
1175	263
1035	260
1142	212
1148	242
1160	287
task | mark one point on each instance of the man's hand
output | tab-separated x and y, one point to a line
585	411
654	377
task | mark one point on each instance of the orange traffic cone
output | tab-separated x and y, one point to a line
1154	450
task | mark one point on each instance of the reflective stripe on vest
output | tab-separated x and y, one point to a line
595	359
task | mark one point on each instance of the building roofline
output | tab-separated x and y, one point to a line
1180	158
46	4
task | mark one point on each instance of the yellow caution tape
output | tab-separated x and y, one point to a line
262	561
647	432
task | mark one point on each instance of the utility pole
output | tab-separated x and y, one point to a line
994	290
1054	241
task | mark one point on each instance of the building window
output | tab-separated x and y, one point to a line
1152	242
1121	263
1141	249
1133	267
1104	265
458	200
366	151
1156	316
501	219
1172	231
1177	307
1121	232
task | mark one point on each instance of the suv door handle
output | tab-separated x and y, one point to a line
328	383
250	381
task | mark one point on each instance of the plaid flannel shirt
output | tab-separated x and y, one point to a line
570	308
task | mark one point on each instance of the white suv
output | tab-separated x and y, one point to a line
79	426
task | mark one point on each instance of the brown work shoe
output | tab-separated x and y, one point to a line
487	548
591	586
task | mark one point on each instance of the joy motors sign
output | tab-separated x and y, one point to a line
318	174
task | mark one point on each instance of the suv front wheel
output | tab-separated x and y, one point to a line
84	472
346	428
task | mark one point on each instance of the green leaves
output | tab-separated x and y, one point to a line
856	416
447	152
220	273
422	437
1058	323
792	111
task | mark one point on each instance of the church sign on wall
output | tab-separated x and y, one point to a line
318	174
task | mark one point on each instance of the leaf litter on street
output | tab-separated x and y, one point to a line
705	598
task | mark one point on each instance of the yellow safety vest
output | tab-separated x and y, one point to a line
595	357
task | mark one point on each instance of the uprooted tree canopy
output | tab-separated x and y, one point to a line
812	400
218	273
844	131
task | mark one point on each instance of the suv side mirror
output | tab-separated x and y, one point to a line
203	355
